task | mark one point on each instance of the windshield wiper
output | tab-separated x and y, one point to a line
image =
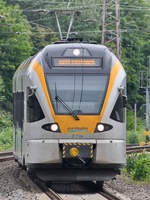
68	108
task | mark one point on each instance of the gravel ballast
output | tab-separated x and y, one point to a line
131	189
16	185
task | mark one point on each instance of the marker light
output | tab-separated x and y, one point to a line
100	127
54	127
76	52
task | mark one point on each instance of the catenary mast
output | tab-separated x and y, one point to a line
111	26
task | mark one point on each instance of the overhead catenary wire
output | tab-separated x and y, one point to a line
46	12
126	4
123	6
129	8
97	31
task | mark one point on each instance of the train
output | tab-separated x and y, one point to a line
69	113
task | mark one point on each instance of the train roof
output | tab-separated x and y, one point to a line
65	49
58	48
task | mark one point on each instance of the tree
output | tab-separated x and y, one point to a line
88	21
135	45
135	26
15	45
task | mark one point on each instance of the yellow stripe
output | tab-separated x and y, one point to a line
38	69
66	121
115	70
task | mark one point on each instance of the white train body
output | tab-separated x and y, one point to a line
69	112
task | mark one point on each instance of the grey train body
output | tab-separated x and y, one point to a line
69	113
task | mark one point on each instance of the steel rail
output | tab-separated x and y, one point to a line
49	192
56	196
137	149
6	155
109	195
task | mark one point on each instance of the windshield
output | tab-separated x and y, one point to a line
82	93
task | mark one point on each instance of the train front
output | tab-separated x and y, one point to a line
81	90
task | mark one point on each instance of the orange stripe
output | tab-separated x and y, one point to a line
39	71
114	72
67	121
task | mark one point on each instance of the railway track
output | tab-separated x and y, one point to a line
132	148
6	155
102	195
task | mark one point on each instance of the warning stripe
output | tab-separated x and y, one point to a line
79	144
91	155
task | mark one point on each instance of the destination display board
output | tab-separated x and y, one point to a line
77	62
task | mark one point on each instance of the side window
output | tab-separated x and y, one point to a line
34	111
18	109
14	109
118	113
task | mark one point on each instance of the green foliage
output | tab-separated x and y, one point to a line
138	166
131	164
15	46
134	47
6	131
135	37
85	22
130	120
41	37
132	138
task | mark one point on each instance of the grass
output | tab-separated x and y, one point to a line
6	131
132	137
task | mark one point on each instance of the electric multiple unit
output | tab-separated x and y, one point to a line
69	113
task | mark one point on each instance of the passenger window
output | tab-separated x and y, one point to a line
34	111
18	109
118	113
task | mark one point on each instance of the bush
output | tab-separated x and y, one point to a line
138	166
130	120
132	138
6	131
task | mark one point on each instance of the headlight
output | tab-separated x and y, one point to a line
100	127
54	127
103	127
